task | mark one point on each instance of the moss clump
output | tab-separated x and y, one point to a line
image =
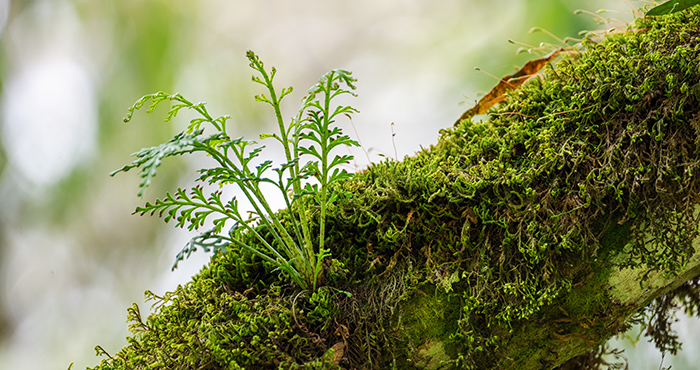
595	161
205	325
602	148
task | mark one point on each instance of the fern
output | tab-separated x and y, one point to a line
307	172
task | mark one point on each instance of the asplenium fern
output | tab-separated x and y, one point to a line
306	174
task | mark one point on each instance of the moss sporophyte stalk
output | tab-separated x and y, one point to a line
492	249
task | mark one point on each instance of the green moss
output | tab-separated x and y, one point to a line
205	325
501	228
575	166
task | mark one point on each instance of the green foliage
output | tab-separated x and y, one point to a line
672	6
303	180
202	326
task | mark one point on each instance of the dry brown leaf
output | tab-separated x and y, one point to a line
339	352
507	83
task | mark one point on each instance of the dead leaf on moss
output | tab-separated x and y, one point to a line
339	352
507	83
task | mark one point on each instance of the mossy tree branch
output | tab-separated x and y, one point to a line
523	242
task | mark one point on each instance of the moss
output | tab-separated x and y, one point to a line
582	164
205	325
501	235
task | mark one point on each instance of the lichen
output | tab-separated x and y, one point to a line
451	254
432	355
626	289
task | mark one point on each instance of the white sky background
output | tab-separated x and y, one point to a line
405	54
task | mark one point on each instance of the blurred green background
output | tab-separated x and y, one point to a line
72	258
